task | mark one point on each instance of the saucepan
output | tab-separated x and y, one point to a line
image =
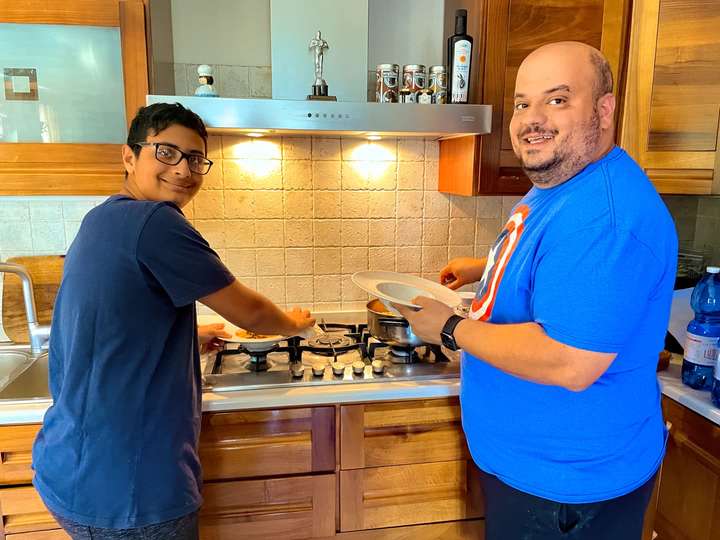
389	328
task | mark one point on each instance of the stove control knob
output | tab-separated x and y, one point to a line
318	369
358	367
378	366
338	368
297	370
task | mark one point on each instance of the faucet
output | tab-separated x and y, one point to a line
39	334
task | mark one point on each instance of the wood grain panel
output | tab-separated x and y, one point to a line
459	165
380	434
267	443
288	508
16	453
23	511
689	499
57	534
456	530
46	273
134	55
408	495
82	12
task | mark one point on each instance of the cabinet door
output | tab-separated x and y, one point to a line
57	534
23	511
267	443
288	508
671	113
689	499
70	98
16	453
513	29
408	495
401	433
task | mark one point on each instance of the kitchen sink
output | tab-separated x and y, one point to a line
23	375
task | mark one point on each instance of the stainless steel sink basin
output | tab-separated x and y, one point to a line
22	374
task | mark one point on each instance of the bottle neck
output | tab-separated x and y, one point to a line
460	25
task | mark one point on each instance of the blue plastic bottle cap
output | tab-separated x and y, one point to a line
713	269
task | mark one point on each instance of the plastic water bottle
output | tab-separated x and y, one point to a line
703	333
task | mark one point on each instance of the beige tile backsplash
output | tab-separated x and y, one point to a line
294	217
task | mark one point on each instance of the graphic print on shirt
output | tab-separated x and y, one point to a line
497	261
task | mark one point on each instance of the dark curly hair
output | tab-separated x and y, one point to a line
154	118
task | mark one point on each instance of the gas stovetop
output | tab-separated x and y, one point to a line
342	354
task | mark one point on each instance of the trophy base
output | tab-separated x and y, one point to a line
322	98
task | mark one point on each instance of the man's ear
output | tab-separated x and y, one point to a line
606	111
128	158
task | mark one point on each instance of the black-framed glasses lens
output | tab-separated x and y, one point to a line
169	155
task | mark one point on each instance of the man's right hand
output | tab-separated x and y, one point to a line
301	318
461	271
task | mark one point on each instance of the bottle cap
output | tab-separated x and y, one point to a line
204	70
713	269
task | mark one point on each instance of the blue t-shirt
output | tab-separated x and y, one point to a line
593	262
118	447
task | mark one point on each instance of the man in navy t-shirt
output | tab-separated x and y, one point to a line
117	453
560	401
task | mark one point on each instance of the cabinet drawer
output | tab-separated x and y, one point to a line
401	433
408	495
454	530
267	443
23	511
288	508
57	534
16	453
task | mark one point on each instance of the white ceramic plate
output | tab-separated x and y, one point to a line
250	344
396	288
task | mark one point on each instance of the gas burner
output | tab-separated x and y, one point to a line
330	341
257	360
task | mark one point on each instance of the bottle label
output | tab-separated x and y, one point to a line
461	72
701	350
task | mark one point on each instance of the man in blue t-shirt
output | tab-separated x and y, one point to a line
117	455
560	401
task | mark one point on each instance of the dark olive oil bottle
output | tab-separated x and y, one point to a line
459	52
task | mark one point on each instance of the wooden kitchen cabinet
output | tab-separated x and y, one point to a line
688	506
511	29
288	508
23	511
671	113
405	463
69	168
247	444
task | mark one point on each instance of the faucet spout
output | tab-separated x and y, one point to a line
39	334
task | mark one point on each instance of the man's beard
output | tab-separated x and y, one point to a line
567	159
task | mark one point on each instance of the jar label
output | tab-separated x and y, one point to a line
701	350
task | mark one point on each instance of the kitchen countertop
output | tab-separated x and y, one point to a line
32	410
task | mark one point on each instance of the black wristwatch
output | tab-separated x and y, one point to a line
448	339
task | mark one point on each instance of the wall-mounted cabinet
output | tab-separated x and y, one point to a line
511	29
671	114
63	120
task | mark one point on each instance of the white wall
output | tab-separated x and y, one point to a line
231	32
405	32
344	25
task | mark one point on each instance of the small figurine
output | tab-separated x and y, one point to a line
205	78
319	88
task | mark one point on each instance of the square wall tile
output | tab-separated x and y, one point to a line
409	232
354	204
238	147
354	232
299	261
241	262
213	230
16	236
486	231
327	288
269	233
327	260
234	81
411	175
209	204
237	204
354	259
48	236
214	178
71	230
299	290
260	82
434	258
410	204
381	204
432	150
327	174
273	288
327	204
239	233
11	210
270	261
298	204
381	258
462	207
328	232
489	206
269	205
297	174
382	175
436	205
351	292
46	211
381	232
326	149
385	149
409	259
435	232
461	251
354	175
411	149
432	175
354	149
462	231
298	232
76	210
297	147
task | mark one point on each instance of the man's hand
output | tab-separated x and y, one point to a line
461	271
209	335
428	321
301	318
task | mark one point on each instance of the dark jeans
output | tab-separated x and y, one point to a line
183	528
514	515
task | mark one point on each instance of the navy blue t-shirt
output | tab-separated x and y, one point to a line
118	447
593	262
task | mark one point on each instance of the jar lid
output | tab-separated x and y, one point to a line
437	69
388	66
414	67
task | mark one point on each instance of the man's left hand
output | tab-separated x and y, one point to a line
428	321
209	335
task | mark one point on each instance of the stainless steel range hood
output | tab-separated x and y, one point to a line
369	120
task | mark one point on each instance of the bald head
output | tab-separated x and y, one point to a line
564	111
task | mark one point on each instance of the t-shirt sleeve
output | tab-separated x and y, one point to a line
592	287
179	258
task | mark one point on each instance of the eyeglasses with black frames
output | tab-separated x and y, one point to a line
171	155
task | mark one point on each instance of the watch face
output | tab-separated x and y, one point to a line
448	341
